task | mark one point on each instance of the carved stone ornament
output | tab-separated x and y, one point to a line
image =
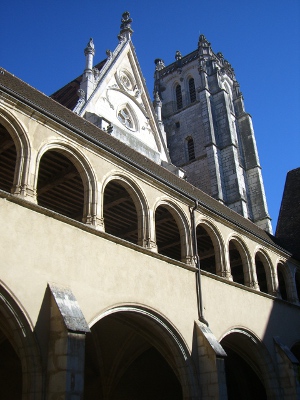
80	93
125	21
126	117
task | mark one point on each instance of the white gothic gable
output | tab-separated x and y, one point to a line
119	103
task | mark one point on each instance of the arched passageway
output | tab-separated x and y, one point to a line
168	238
59	186
120	213
282	282
20	360
127	358
8	158
236	263
206	250
244	375
10	371
261	273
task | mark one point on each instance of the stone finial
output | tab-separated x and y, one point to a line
157	98
125	28
89	53
178	55
203	42
90	48
159	64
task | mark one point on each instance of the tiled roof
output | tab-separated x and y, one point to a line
67	95
38	100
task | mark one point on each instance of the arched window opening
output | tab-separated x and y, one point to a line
10	370
206	250
127	117
8	157
135	364
178	97
60	186
167	234
191	148
261	274
236	264
192	90
119	212
281	282
297	281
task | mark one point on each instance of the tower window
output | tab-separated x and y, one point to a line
178	97
190	148
192	90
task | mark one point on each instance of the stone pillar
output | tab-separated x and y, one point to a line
211	364
288	370
66	350
88	81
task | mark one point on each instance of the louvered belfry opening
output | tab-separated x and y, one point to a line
60	187
167	234
8	157
236	264
206	250
192	90
119	211
178	97
191	149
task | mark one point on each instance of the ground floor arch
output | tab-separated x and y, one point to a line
249	371
133	353
20	368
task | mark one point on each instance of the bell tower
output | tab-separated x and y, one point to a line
209	133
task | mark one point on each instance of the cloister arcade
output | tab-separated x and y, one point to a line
66	183
60	176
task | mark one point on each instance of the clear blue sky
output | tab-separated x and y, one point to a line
42	43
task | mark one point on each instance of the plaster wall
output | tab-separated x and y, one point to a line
103	273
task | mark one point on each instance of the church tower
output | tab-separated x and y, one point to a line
209	133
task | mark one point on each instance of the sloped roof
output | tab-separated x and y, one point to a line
24	92
67	95
288	226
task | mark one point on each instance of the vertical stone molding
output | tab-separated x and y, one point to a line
65	371
211	364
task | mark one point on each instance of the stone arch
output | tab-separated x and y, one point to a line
145	335
285	281
16	131
264	272
249	367
218	247
81	166
239	262
171	240
140	227
22	367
